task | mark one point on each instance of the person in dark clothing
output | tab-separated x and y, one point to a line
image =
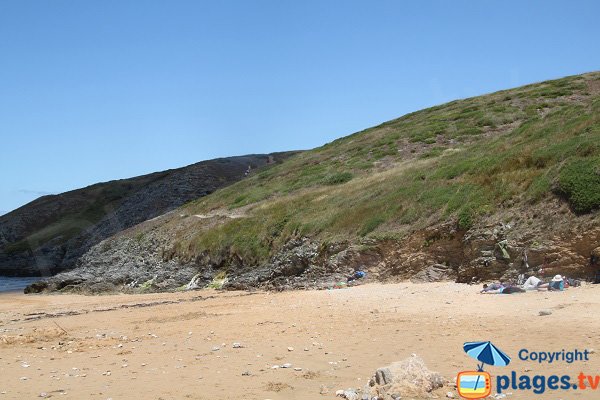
493	287
512	289
500	288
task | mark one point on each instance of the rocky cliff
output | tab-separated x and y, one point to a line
50	234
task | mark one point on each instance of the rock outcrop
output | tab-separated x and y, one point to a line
50	234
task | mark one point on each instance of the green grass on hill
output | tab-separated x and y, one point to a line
461	160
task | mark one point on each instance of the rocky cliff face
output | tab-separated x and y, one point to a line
500	248
50	234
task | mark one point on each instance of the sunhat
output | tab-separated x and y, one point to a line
557	278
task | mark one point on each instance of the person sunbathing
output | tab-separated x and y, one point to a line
499	288
557	284
534	283
493	288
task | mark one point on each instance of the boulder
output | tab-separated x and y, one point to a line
409	378
36	287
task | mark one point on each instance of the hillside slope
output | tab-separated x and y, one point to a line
485	187
49	234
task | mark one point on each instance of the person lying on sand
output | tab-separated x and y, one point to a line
557	284
493	287
534	283
499	288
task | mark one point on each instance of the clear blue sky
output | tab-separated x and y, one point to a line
98	90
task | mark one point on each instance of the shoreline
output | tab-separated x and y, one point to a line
16	283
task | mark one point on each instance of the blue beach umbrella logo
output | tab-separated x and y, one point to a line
477	385
486	353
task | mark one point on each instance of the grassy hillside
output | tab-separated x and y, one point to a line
462	161
484	188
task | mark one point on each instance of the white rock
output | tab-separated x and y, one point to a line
290	349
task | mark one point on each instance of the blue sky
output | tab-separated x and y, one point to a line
98	90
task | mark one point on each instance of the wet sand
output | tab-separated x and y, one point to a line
180	345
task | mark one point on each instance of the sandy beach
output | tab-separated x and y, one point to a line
180	345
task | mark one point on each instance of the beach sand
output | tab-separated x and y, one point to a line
180	345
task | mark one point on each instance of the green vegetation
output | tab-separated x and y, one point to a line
218	281
338	178
580	181
459	161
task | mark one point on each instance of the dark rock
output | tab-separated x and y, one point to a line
36	287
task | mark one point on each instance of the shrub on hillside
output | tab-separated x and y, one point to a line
338	178
579	181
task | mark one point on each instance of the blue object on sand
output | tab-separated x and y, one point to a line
360	274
